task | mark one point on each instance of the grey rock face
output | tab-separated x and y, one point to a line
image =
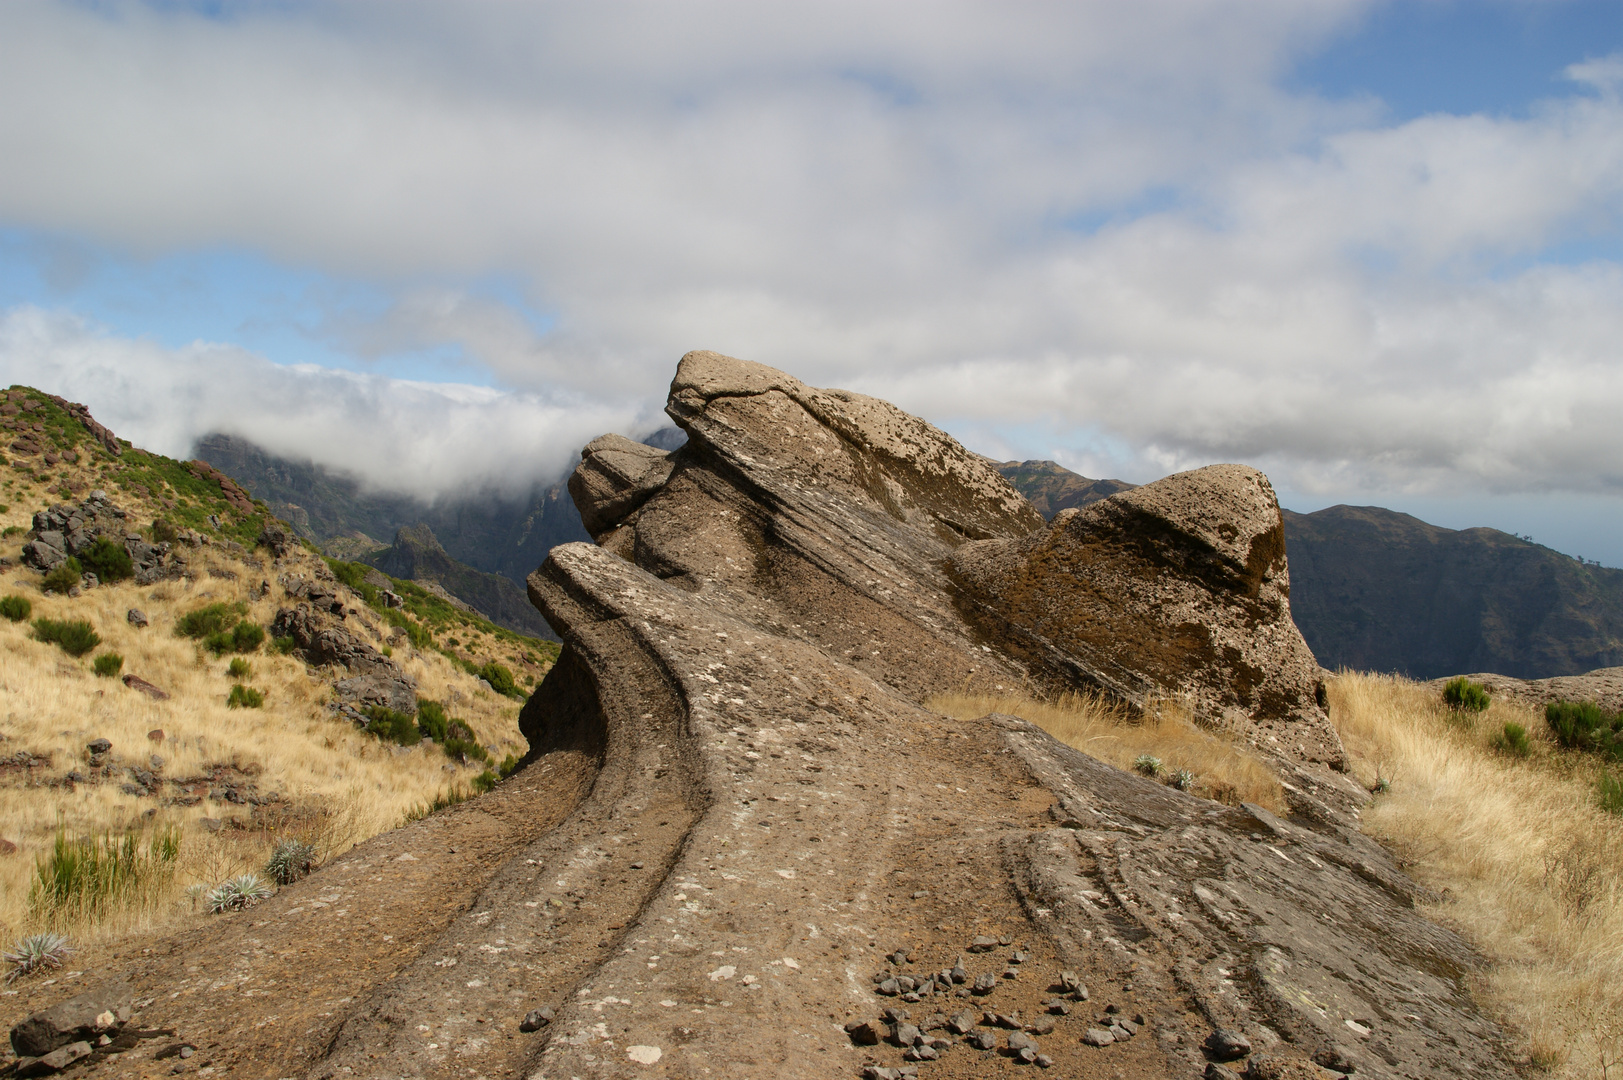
87	1016
615	477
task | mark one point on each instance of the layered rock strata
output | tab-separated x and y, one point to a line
1178	589
769	858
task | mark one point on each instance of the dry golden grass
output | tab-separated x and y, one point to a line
344	785
1222	769
1527	861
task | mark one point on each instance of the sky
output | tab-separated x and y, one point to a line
1373	248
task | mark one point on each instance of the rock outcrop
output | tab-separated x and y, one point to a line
319	637
1179	590
1603	686
70	530
767	856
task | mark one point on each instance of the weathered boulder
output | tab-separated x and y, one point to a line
322	641
69	529
1175	590
90	1015
276	539
615	477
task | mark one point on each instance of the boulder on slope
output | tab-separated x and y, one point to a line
1176	590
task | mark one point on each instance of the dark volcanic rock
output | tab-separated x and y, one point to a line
87	1016
1176	590
321	641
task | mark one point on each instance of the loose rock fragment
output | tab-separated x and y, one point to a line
985	984
536	1019
962	1024
1097	1037
983	1040
863	1032
1226	1045
1021	1041
983	943
905	1034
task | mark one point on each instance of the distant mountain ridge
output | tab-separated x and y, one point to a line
487	531
416	555
1376	590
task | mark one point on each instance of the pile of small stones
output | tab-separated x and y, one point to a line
978	1028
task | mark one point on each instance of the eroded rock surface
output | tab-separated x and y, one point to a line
768	858
1178	589
1603	686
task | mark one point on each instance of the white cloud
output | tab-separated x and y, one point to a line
423	439
950	204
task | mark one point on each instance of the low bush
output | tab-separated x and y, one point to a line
164	532
212	619
1583	725
239	669
1461	693
290	861
108	664
16	608
500	679
65	578
485	781
1609	792
243	637
1512	740
74	637
108	560
244	697
242	891
392	726
37	952
284	645
509	765
465	750
432	721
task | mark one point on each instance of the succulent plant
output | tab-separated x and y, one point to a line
234	894
1182	779
1148	764
290	861
36	953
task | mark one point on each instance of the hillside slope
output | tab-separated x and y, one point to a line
416	555
227	772
1376	590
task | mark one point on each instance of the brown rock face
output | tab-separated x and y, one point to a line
741	837
1178	589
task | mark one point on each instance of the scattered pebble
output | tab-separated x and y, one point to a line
985	984
536	1019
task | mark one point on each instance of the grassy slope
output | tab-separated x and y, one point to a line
340	784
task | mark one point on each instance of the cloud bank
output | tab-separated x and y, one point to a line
1103	221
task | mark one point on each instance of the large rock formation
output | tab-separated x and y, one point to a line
1174	590
762	839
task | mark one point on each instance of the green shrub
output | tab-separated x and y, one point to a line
284	645
354	575
500	679
1609	789
1512	740
37	952
239	669
16	608
432	721
1461	693
392	726
164	532
108	560
465	750
485	781
509	765
89	878
108	664
244	637
1583	725
75	637
290	861
244	697
212	619
65	577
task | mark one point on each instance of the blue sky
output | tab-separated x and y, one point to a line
1372	248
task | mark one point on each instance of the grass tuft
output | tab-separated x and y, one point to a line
16	608
108	665
244	697
1462	693
87	878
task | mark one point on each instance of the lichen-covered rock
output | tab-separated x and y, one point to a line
1175	590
